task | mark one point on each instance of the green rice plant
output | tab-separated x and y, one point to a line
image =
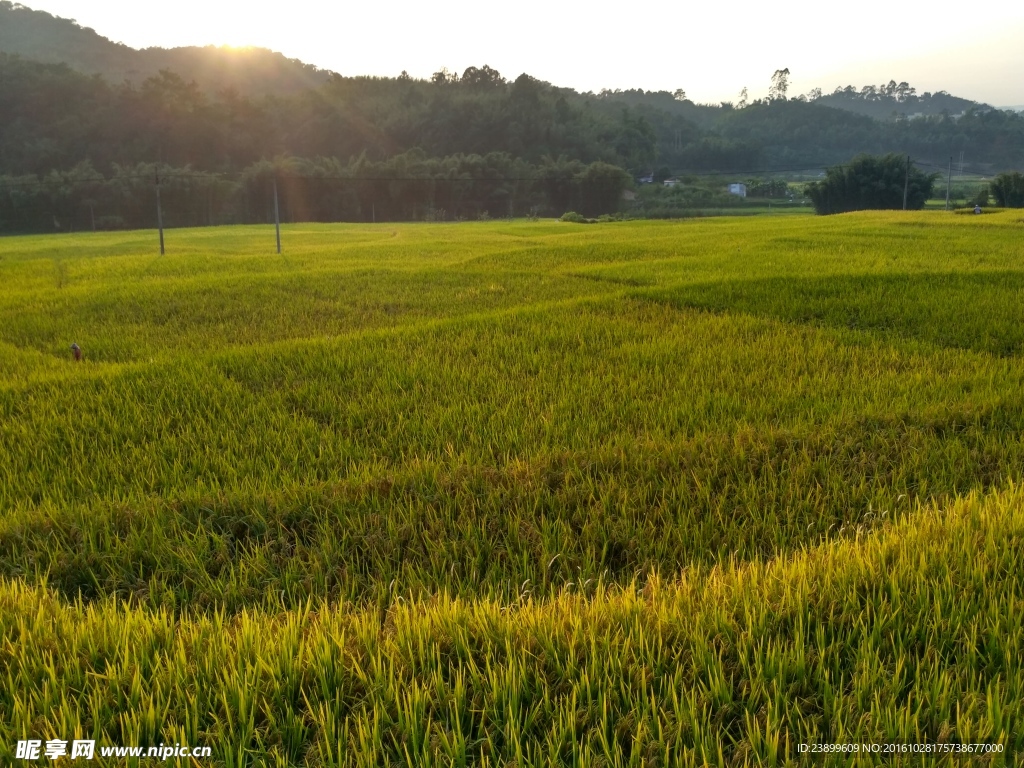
909	634
350	468
637	493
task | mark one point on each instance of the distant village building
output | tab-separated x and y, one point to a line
671	182
648	179
738	189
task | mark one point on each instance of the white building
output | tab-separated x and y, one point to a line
738	189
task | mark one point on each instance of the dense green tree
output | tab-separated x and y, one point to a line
796	133
1008	190
601	188
780	85
557	181
482	77
871	183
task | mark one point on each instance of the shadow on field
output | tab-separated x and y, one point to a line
981	311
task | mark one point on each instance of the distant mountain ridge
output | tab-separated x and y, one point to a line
40	36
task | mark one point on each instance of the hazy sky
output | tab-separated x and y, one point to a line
710	49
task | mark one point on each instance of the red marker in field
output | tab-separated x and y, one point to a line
76	351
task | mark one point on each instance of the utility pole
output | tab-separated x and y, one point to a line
948	174
277	217
159	212
906	184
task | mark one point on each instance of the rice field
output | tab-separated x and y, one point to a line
517	493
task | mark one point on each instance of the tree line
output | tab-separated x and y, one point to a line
407	187
891	182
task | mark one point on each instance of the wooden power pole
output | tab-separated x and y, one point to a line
277	217
906	184
948	174
159	213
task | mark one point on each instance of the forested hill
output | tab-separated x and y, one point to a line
39	36
54	116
